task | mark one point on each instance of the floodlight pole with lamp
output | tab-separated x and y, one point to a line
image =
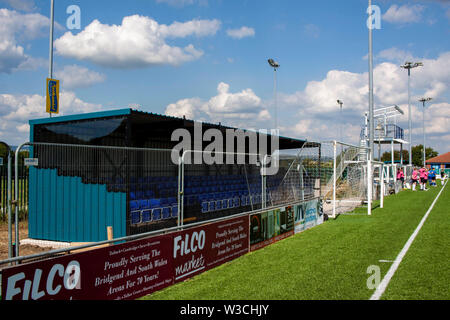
275	65
409	66
423	100
340	116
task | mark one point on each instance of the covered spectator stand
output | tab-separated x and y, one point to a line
116	168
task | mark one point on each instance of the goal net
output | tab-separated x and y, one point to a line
344	177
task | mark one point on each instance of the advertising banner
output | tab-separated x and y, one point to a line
208	246
129	270
52	100
307	215
271	226
123	271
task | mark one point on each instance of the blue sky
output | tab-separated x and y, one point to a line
220	75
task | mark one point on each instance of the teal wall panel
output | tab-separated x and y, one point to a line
65	209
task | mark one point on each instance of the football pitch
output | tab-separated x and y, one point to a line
343	259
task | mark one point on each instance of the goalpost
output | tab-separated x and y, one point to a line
349	178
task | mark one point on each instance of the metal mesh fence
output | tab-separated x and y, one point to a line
219	184
22	185
146	177
154	191
298	177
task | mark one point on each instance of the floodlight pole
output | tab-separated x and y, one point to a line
371	117
340	135
275	95
409	66
340	116
50	57
423	100
275	66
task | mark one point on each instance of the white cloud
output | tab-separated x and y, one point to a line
240	33
138	42
15	28
185	108
240	109
74	76
17	110
403	14
319	116
437	118
395	54
22	5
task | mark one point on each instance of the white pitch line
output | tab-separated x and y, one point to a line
387	278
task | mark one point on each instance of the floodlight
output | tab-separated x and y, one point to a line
398	109
273	63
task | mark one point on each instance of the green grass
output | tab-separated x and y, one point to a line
330	261
425	272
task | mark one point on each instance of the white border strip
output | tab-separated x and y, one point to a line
387	278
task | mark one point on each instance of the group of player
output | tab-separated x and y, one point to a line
421	176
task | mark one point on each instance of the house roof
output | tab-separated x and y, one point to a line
443	158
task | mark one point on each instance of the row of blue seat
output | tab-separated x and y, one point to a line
152	203
168	192
189	180
153	214
228	203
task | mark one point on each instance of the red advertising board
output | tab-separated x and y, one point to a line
205	247
129	270
123	271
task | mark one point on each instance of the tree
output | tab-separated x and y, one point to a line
417	154
386	156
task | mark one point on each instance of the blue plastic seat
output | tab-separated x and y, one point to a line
147	215
134	205
164	202
175	211
205	206
172	200
166	213
236	201
154	203
149	194
212	206
140	195
135	217
156	214
143	204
